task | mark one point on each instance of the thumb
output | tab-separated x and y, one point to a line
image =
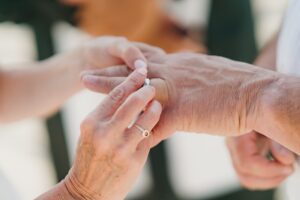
282	154
129	53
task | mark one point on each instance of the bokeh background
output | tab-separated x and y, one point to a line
35	153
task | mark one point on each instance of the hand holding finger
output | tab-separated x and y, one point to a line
133	106
119	94
101	81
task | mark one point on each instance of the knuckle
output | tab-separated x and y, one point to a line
88	126
135	81
108	84
117	94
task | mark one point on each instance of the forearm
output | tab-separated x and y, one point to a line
39	89
244	97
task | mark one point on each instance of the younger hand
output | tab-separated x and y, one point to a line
107	51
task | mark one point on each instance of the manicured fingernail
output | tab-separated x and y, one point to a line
86	73
140	64
142	71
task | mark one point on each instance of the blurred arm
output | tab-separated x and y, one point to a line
39	89
267	57
44	86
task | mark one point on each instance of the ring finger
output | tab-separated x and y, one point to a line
145	122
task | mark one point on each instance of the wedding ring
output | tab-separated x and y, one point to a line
147	82
145	133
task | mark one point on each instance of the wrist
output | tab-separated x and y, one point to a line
72	66
59	192
78	191
265	101
63	193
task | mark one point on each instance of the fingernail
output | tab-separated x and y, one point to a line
140	64
86	73
282	150
142	71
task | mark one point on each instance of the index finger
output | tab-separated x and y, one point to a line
118	95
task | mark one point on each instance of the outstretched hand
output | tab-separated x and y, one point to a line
199	93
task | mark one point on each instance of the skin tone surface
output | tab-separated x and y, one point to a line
249	151
110	156
218	96
199	93
43	87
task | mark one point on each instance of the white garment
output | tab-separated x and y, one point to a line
7	191
288	61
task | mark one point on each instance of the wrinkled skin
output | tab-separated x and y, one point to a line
110	156
200	93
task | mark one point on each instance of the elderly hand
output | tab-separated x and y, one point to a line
250	159
199	93
110	155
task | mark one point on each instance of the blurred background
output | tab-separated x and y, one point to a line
36	153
